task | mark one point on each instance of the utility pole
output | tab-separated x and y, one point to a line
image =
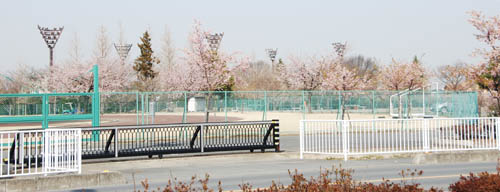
272	55
50	36
123	50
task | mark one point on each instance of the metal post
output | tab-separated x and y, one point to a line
497	126
46	152
302	122
303	105
142	107
345	143
340	111
116	142
97	98
45	111
79	146
373	104
202	140
225	105
423	100
426	135
137	106
264	115
185	108
437	103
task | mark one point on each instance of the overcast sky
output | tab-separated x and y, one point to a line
382	29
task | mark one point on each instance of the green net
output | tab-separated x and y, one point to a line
136	108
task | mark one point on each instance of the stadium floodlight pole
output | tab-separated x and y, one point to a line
339	48
50	36
272	55
123	50
214	41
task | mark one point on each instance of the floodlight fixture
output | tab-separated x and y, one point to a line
214	41
50	36
123	50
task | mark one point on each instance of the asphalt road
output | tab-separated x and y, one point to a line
259	169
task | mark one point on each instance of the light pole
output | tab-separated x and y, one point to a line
123	50
50	36
272	55
339	48
214	43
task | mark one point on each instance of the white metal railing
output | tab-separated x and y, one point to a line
379	136
34	152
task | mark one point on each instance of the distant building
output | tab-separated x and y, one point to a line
196	104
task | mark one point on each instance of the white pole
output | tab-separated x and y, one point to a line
302	122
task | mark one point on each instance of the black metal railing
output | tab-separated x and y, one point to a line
158	140
105	142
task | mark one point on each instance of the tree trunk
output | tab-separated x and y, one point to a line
309	100
400	107
207	105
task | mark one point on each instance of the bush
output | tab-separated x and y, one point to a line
482	182
340	180
334	180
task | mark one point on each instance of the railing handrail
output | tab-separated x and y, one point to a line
377	136
369	120
177	125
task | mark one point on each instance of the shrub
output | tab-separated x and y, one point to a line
477	183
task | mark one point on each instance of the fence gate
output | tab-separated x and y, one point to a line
62	151
35	152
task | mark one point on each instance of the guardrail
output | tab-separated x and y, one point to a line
158	140
379	136
107	142
34	152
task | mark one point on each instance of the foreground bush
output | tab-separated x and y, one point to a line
334	180
482	182
339	179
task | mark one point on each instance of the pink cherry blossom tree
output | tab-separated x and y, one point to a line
74	75
486	73
399	76
207	69
341	77
302	73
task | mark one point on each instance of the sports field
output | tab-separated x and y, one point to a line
289	121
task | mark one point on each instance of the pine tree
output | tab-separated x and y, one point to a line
143	65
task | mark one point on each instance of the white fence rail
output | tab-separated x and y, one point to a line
36	152
379	136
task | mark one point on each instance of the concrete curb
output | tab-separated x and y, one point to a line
60	182
455	157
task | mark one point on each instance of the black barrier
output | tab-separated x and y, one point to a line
150	140
105	142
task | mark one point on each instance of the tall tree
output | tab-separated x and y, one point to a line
167	50
399	76
486	73
103	45
258	76
454	77
363	67
144	65
346	77
73	74
208	69
303	74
